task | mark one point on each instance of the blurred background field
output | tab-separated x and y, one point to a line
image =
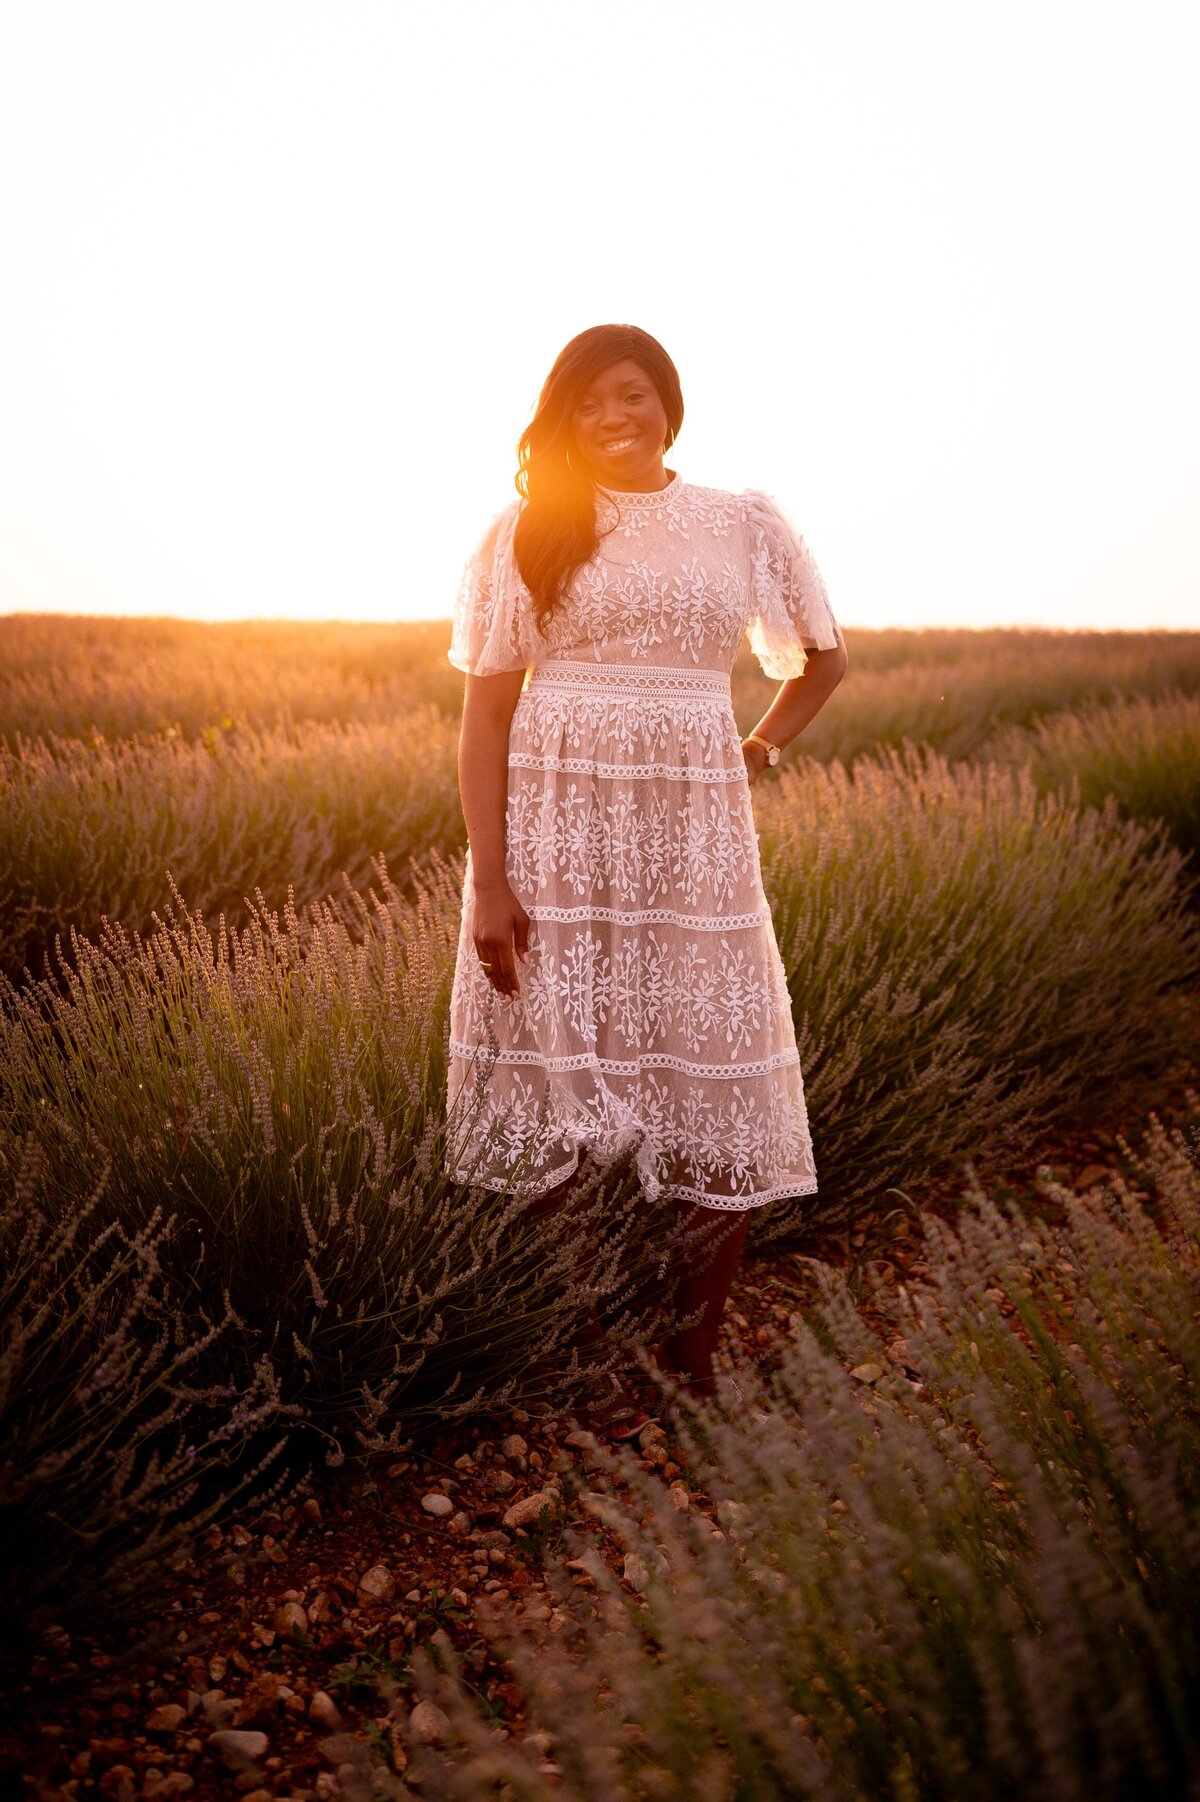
79	677
273	757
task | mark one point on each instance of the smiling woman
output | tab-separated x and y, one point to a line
618	985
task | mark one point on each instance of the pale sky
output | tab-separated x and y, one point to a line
283	279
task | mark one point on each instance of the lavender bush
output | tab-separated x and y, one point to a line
1143	752
117	1443
952	688
967	961
963	1561
93	831
281	1090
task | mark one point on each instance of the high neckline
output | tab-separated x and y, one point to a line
631	497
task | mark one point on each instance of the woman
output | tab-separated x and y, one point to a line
618	984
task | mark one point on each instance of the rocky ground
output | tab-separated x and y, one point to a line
280	1667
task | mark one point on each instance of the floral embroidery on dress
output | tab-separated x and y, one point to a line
653	1012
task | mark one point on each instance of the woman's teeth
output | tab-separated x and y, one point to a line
621	444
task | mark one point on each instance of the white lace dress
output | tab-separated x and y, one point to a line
653	1012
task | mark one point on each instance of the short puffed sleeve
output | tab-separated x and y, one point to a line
790	614
494	628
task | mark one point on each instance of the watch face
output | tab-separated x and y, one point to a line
773	755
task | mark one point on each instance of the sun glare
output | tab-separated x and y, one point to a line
291	279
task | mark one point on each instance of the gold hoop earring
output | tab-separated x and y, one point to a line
570	465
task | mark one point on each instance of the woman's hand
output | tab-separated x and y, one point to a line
755	759
501	935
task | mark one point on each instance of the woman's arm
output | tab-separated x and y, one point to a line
797	702
501	923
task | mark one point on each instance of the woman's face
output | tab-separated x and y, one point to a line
621	427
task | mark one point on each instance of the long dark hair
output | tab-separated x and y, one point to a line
556	531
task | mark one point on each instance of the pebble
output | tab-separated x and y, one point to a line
459	1524
260	1704
530	1508
323	1711
635	1572
169	1783
867	1373
237	1750
376	1584
501	1481
428	1724
437	1504
343	1748
311	1510
219	1709
513	1446
166	1719
290	1618
680	1497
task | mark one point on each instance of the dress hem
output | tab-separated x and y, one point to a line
794	1190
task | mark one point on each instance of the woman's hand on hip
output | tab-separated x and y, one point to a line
755	760
501	935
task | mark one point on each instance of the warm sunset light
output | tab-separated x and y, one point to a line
284	280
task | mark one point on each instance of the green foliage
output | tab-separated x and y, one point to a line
117	1444
967	961
1143	752
90	830
970	1570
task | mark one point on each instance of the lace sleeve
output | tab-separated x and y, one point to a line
493	628
791	612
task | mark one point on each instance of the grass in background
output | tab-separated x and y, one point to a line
969	1568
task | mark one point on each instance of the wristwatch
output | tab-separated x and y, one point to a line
771	750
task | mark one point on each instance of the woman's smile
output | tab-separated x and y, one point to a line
621	428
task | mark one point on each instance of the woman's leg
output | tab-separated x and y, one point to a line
703	1280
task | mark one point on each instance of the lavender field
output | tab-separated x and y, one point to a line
230	860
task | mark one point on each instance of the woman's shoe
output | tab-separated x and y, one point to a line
617	1419
622	1423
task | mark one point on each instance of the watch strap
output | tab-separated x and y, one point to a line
771	750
